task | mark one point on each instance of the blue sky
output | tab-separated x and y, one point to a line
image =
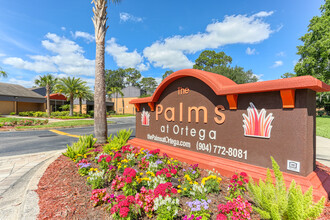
39	37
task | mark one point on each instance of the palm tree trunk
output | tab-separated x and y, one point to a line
100	114
80	105
116	103
48	100
71	105
123	106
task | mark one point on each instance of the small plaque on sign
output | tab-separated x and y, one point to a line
293	166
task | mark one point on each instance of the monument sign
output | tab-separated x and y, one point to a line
209	119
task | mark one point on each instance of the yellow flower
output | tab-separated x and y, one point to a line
179	191
79	155
195	183
171	158
85	156
119	167
184	188
141	174
190	182
125	166
179	186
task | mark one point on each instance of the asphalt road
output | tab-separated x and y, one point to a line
27	142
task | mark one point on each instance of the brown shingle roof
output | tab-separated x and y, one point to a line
7	89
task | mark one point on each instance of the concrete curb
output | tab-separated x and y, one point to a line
18	199
30	207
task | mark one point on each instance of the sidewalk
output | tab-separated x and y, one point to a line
20	175
323	150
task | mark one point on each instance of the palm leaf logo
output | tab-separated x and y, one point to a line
257	124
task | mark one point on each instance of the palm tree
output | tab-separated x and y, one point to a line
84	93
100	113
3	73
48	81
117	91
70	87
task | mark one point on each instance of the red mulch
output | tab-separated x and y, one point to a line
63	194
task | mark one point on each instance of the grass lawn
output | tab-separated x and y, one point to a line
120	116
71	123
323	126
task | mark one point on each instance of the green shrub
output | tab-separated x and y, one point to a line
12	113
65	107
111	112
117	142
70	117
24	113
39	114
320	113
91	113
88	140
78	150
58	113
275	202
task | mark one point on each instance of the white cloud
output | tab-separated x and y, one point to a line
158	80
24	83
87	36
277	63
250	51
37	66
68	58
128	17
280	54
263	14
259	77
123	58
2	55
171	53
63	28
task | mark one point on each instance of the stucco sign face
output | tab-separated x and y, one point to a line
189	112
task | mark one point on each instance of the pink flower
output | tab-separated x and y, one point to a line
108	159
173	171
234	177
123	212
240	182
168	175
128	179
243	174
246	180
221	217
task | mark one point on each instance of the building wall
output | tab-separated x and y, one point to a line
76	108
128	108
6	107
29	106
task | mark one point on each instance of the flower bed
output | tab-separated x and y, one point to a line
132	183
10	123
